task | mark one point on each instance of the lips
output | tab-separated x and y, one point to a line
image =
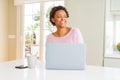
62	22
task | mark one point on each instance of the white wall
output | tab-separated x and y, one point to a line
88	15
3	30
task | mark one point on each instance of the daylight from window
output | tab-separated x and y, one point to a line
112	36
37	25
112	31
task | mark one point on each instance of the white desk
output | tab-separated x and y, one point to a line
9	72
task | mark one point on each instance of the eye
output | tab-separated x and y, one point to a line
65	16
60	16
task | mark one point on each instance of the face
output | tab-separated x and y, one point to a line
60	18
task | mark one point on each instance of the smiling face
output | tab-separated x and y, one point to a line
60	19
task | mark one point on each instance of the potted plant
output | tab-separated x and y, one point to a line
118	46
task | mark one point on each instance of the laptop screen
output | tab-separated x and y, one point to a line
65	56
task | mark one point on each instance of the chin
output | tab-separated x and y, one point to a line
63	25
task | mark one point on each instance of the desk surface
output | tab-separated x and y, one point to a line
9	72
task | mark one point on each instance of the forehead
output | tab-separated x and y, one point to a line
60	12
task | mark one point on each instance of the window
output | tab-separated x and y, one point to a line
31	28
112	32
117	29
36	26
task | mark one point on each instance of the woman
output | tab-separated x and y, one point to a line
64	34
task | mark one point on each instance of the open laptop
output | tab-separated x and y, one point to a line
65	56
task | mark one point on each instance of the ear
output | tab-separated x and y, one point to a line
52	20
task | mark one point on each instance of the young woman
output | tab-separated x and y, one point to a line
64	34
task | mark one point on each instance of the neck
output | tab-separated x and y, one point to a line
62	31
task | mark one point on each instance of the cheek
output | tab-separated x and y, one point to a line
65	20
57	20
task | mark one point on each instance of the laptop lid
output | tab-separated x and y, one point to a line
65	56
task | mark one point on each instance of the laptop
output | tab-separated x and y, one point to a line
65	56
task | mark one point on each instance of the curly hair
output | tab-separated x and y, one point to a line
54	10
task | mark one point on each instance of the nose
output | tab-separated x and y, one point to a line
63	18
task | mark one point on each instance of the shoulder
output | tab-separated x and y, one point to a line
78	35
75	30
49	37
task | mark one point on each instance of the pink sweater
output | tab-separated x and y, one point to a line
74	36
